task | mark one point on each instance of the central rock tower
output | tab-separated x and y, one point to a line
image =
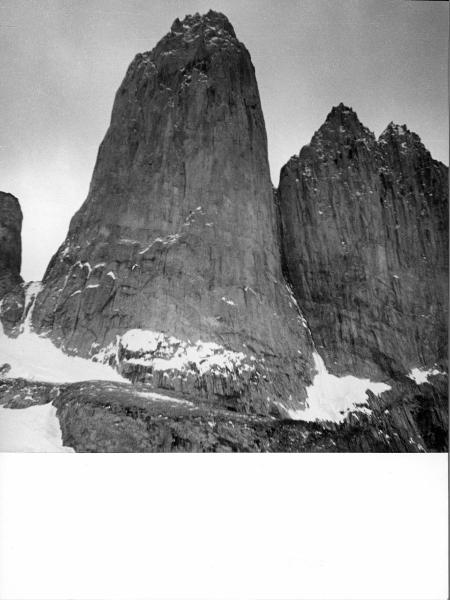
171	268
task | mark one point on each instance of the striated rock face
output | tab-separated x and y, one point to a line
365	241
178	235
11	294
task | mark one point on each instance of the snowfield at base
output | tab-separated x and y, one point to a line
33	429
330	397
421	376
38	359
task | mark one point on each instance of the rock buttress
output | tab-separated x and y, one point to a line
11	293
178	234
365	239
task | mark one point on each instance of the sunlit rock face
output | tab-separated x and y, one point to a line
365	240
11	293
178	235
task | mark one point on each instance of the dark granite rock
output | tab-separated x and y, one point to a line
10	242
21	393
365	241
178	234
104	417
99	416
11	293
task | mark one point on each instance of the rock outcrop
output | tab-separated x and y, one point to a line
114	417
171	268
11	293
365	241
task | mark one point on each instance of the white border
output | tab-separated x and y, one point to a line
328	527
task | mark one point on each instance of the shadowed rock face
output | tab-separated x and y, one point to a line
10	242
365	239
11	294
178	234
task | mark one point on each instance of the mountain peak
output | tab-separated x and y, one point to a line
395	129
342	108
400	135
340	124
212	19
342	115
10	202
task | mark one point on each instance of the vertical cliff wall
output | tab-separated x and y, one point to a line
10	242
365	239
178	235
11	293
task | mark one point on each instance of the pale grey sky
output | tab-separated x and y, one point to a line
61	62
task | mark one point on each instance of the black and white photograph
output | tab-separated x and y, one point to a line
209	295
224	229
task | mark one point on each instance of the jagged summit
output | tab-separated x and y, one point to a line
398	143
182	58
341	130
395	133
342	121
396	129
342	111
212	19
342	115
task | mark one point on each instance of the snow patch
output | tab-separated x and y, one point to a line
36	358
421	375
330	398
156	396
128	241
84	264
227	301
161	352
166	241
31	292
291	296
33	429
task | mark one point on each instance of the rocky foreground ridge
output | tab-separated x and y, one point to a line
115	417
228	306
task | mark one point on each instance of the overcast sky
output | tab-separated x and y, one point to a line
61	62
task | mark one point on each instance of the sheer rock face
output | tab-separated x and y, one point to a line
11	293
10	242
178	235
365	238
